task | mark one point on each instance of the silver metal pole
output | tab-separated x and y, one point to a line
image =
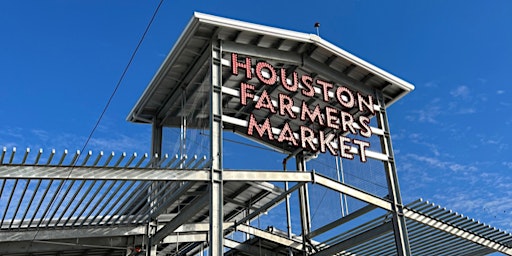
399	226
216	237
303	204
337	160
288	216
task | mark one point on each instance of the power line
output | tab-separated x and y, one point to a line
132	57
122	75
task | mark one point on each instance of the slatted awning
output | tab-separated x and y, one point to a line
56	203
59	208
433	230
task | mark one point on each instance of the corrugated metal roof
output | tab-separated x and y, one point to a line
425	239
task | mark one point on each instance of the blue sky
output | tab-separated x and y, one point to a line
60	61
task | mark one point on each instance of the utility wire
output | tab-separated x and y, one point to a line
122	76
132	57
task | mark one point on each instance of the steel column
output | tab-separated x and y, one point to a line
156	152
399	226
216	237
303	203
156	141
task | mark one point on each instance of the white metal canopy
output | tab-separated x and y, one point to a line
187	64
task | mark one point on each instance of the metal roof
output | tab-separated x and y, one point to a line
433	230
184	70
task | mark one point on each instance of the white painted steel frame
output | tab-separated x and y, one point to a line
428	216
216	235
398	219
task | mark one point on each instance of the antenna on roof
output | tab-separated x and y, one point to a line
317	26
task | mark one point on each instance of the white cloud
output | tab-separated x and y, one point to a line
445	165
508	164
431	84
429	113
119	143
490	208
464	111
461	91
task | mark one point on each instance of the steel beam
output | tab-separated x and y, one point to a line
185	238
356	240
398	219
183	216
260	52
82	232
256	175
341	221
305	215
216	234
269	236
200	227
249	249
169	200
353	192
100	173
156	142
267	206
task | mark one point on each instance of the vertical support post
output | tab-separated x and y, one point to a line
399	226
156	141
288	215
151	249
156	150
216	237
303	203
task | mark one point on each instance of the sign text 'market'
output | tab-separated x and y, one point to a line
343	116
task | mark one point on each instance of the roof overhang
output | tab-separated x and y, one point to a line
186	67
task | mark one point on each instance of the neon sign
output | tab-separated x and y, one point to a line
342	113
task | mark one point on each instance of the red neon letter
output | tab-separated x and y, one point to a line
326	142
265	102
344	149
244	94
235	65
285	106
330	117
366	130
368	103
349	103
307	81
295	83
306	137
363	145
346	122
312	116
273	76
265	127
287	135
325	88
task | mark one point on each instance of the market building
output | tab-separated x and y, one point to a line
292	92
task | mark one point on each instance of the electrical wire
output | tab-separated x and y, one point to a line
122	76
118	84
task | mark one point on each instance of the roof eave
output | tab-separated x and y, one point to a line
133	116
